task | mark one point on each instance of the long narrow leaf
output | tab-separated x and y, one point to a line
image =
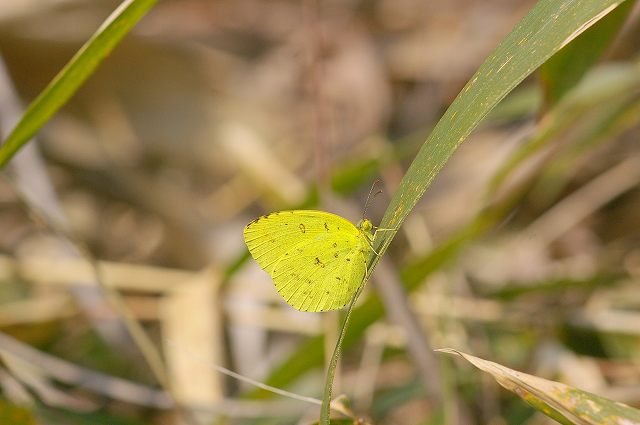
548	27
564	70
79	68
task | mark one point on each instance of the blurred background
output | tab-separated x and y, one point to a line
525	251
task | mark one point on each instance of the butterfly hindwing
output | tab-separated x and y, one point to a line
316	259
322	274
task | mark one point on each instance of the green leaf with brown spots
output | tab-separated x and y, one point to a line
549	26
566	68
531	43
565	404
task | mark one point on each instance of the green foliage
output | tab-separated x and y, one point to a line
68	417
545	30
309	355
565	69
580	31
74	74
530	44
15	415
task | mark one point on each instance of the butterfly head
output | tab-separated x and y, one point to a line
365	225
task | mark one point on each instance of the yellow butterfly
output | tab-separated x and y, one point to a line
317	260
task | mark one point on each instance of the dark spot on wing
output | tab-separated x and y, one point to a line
326	227
338	277
335	255
317	262
335	245
327	292
348	259
302	228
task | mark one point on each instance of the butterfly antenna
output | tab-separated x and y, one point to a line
370	198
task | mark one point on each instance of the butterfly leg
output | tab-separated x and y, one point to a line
372	248
379	229
382	228
370	238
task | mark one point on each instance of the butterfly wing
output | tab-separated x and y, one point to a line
316	259
321	275
270	236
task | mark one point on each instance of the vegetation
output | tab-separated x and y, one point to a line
127	294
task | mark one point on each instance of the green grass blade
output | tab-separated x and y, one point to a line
601	86
548	27
310	355
325	409
565	69
79	68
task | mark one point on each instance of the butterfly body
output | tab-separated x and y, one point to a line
317	260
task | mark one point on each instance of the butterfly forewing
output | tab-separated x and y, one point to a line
270	236
316	259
